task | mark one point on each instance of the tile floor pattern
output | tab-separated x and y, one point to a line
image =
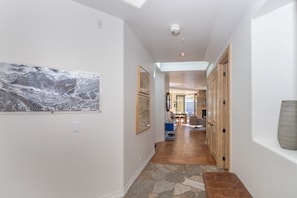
170	181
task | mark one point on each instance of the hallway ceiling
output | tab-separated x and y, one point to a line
187	82
206	25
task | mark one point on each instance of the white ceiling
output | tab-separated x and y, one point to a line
185	77
187	82
205	26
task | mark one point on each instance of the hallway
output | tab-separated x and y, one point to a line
188	148
176	168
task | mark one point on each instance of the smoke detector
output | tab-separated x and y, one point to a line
175	29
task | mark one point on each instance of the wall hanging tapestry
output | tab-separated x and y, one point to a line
26	88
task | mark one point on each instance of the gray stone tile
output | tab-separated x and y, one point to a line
167	194
175	177
180	189
153	195
202	194
189	194
210	168
170	181
162	186
181	169
158	174
170	167
148	167
194	184
193	170
197	178
140	189
145	175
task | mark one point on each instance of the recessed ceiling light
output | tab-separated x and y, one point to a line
136	3
182	54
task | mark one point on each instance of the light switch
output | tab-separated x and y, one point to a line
75	126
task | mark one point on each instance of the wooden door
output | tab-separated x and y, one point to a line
218	115
212	133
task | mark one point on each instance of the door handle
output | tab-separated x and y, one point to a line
211	123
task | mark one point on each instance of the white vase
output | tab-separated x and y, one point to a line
287	126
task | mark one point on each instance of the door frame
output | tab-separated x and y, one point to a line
224	104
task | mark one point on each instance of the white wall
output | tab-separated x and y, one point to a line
274	71
160	109
40	156
265	173
138	149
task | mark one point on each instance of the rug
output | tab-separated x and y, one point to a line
224	185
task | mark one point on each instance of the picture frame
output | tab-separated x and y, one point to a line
27	88
143	120
143	81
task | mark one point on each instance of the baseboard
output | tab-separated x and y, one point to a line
137	173
121	193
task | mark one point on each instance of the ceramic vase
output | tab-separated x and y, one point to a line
287	126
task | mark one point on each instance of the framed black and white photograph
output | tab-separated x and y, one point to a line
143	81
26	88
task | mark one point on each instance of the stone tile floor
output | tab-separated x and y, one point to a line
170	181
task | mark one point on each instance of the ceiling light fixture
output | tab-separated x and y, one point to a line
182	54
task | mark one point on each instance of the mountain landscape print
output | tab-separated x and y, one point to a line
36	89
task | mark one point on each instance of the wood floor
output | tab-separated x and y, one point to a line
188	148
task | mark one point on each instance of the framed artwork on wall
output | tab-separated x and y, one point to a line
143	81
143	121
25	88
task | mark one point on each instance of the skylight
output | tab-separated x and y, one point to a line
135	3
183	66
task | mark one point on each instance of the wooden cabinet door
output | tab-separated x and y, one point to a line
217	116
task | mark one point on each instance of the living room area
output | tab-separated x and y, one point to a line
188	108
